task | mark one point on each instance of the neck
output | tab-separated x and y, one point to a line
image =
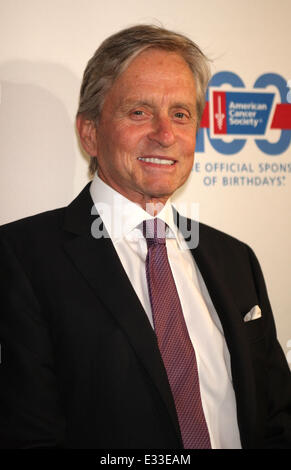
151	204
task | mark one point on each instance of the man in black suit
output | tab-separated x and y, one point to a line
81	362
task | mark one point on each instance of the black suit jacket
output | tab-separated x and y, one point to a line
80	365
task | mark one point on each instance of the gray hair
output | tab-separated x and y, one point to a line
118	50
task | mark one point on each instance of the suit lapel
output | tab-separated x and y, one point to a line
98	262
205	256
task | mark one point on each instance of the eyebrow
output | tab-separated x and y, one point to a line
128	103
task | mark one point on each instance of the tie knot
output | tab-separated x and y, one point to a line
154	231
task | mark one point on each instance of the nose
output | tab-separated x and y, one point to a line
162	132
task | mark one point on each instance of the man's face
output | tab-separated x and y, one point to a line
146	135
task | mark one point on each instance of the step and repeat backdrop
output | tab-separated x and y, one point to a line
241	178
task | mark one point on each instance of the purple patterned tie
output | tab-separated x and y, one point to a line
173	339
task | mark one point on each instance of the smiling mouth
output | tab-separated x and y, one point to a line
157	161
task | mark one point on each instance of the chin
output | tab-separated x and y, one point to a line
161	192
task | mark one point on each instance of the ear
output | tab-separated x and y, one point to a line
88	135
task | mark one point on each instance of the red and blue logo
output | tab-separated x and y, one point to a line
240	113
234	114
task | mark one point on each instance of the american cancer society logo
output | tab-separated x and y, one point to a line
240	112
234	114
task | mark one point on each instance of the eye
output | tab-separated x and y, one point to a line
139	114
180	115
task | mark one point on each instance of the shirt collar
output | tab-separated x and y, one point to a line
122	216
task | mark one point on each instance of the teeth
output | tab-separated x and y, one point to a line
157	160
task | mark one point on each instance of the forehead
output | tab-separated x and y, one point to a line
159	58
154	72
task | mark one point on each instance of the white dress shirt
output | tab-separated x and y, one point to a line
121	219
